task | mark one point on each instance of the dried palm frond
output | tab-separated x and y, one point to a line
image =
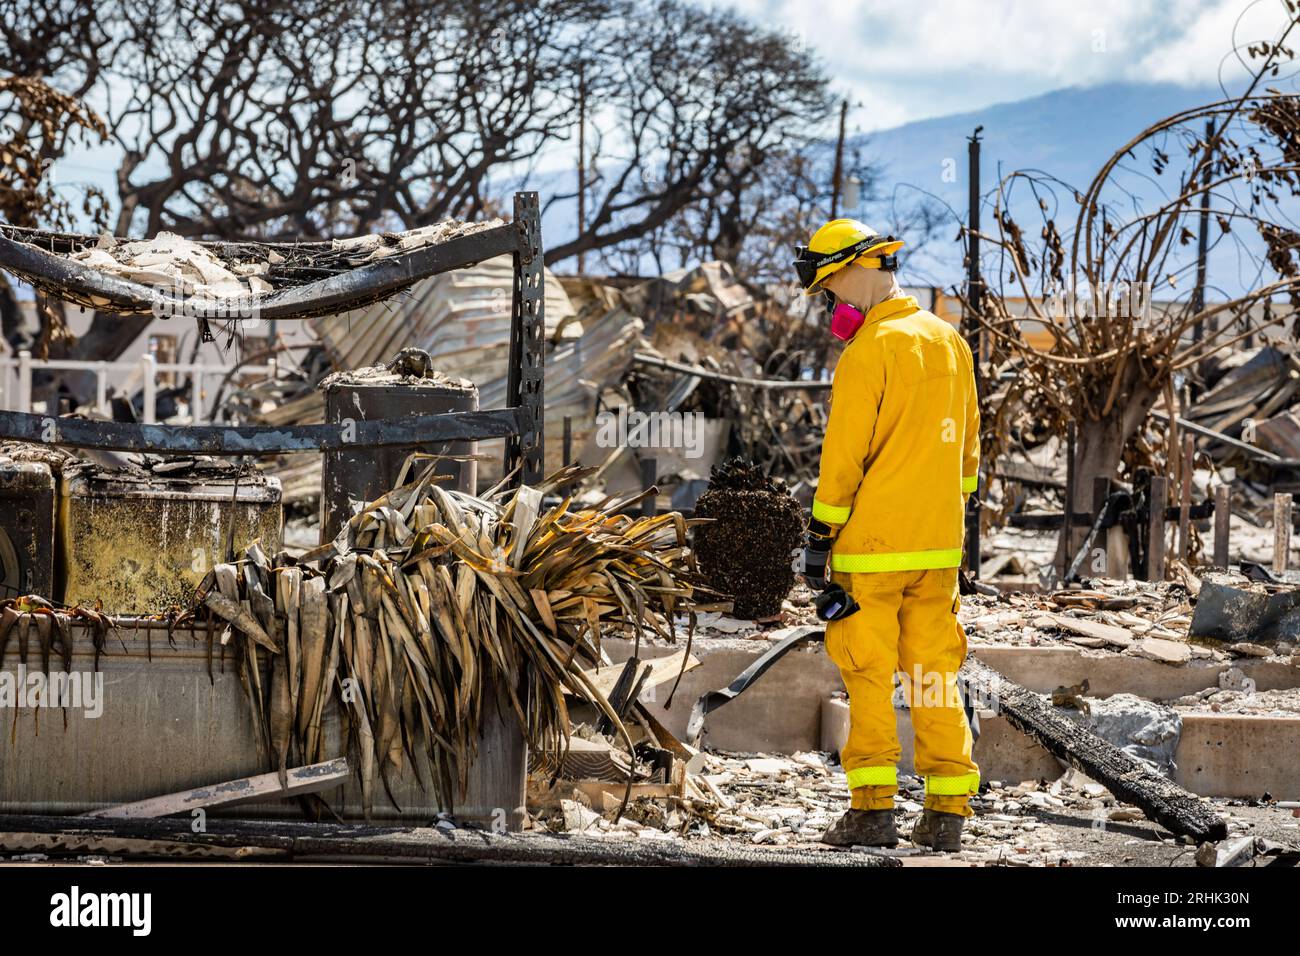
432	604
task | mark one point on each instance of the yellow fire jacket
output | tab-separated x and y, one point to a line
901	452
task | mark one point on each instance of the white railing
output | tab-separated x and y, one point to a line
16	390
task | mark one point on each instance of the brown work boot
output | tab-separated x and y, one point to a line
939	830
863	828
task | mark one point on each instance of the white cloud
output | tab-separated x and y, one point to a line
908	61
1203	52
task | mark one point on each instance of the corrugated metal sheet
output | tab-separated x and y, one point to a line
575	373
462	319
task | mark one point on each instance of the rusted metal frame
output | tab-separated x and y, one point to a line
326	296
260	439
521	424
525	386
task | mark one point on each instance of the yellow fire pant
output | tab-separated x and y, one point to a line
907	624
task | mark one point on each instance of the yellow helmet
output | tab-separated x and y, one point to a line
838	243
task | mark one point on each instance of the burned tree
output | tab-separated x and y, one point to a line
259	121
700	109
1119	296
37	125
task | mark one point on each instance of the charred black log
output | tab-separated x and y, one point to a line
1162	800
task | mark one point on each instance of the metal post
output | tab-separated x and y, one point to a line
24	381
1222	523
149	369
1281	532
975	296
1067	523
1203	240
1185	499
524	388
1156	529
649	477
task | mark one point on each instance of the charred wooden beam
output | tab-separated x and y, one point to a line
262	439
1162	800
323	842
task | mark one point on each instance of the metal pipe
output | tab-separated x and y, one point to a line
642	358
148	369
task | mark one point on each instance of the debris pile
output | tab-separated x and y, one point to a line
1242	419
613	348
1132	618
785	802
221	270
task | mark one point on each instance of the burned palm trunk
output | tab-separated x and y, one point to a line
747	549
408	386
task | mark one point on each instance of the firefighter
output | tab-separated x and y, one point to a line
899	460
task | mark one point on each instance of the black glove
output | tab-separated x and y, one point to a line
815	554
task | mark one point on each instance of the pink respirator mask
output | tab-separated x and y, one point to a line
845	319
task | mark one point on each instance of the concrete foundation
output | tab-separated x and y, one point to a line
163	726
790	709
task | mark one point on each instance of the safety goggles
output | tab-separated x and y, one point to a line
808	263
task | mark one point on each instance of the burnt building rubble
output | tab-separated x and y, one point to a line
547	525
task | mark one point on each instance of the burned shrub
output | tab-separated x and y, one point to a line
747	550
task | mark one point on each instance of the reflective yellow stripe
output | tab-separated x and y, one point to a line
896	561
872	777
829	513
967	783
969	483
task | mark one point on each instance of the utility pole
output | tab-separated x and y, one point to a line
1202	252
975	300
1203	240
582	158
839	161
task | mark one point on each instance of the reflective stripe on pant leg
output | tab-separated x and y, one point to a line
872	777
964	785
